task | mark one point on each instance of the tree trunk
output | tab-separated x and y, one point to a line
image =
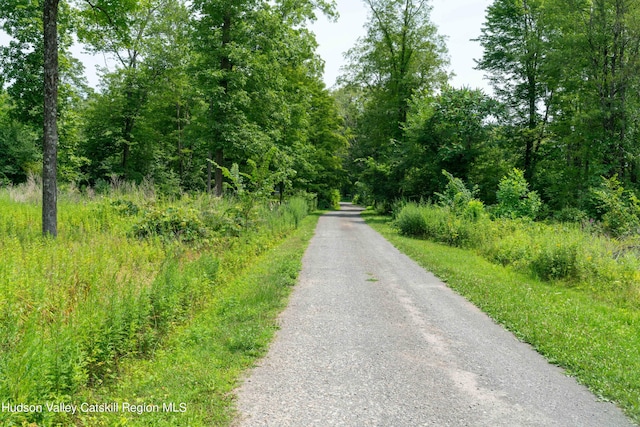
50	139
219	160
226	66
209	171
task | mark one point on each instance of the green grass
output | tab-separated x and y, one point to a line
127	273
203	360
593	339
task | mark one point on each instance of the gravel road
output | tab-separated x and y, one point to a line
372	339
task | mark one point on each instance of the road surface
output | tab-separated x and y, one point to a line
372	339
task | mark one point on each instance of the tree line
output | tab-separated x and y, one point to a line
202	85
565	77
196	87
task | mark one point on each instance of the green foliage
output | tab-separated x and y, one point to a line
232	329
449	131
441	224
557	259
570	214
297	208
474	210
400	56
621	208
75	308
19	146
456	195
171	223
514	198
549	252
410	221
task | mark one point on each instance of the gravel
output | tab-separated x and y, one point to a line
371	339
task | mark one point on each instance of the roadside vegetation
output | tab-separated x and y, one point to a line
138	293
570	287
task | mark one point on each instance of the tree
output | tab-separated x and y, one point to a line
50	140
606	74
143	38
19	145
446	132
247	55
400	56
33	62
515	38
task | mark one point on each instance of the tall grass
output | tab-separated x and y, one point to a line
72	308
606	267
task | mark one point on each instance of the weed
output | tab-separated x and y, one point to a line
410	221
124	273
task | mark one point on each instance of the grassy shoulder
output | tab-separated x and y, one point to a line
83	314
190	379
593	340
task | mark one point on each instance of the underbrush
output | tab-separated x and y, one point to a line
126	269
605	267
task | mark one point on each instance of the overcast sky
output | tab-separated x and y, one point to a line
458	20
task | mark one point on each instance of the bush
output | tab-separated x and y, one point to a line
621	208
335	199
410	221
514	198
556	260
474	210
570	214
456	195
178	223
549	251
512	249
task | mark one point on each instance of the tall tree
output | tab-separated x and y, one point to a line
50	140
607	33
401	56
136	34
244	51
515	38
449	131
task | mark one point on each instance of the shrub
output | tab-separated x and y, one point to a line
179	223
570	214
456	195
335	199
512	249
410	221
621	208
514	198
556	260
474	210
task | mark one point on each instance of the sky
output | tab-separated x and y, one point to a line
458	20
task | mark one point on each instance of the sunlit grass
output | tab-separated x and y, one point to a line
74	309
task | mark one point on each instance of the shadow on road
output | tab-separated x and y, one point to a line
347	210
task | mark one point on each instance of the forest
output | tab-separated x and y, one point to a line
194	86
202	86
564	109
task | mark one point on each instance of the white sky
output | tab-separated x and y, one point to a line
458	20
